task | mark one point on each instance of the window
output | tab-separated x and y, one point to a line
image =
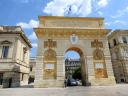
22	78
109	45
31	68
1	78
124	39
24	53
114	41
5	51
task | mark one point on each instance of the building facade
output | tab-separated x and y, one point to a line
87	36
32	69
14	57
118	43
71	65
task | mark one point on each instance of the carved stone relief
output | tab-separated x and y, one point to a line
98	54
96	44
99	62
50	62
50	44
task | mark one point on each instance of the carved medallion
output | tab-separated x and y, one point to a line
74	39
98	54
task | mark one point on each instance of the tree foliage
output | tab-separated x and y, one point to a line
77	74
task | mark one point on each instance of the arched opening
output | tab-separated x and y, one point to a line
75	69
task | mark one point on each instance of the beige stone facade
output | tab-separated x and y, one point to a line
32	69
87	36
14	56
118	43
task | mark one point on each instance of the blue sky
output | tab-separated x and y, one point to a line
25	13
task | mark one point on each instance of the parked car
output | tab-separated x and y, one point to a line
79	83
72	82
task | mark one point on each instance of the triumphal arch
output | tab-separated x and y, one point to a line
87	36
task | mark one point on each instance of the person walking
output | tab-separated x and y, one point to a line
65	83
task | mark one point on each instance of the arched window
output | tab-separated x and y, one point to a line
50	64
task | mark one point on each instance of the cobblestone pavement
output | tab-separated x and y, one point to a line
117	90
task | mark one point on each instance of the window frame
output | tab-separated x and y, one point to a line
124	39
5	51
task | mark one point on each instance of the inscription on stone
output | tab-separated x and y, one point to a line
49	66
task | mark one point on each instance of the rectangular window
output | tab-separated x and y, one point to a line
5	51
1	78
109	45
24	53
31	68
22	78
124	40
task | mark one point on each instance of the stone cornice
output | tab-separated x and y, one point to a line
64	32
78	18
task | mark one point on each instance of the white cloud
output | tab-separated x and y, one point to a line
30	24
34	45
102	3
100	13
32	36
118	22
73	7
120	13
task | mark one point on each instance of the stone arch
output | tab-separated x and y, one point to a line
82	61
77	46
50	64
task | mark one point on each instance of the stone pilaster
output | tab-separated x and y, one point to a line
38	71
60	68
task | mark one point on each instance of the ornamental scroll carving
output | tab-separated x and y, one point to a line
96	44
98	54
50	44
49	56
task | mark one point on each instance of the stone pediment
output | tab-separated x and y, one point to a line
5	42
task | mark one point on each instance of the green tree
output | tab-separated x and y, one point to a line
77	74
